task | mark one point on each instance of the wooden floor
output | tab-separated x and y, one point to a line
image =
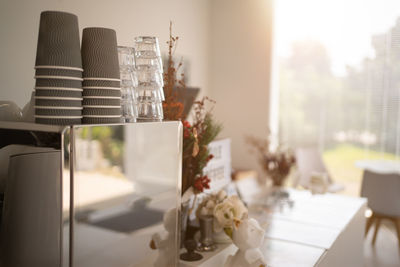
386	252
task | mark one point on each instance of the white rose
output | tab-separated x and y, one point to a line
210	204
240	210
221	195
230	210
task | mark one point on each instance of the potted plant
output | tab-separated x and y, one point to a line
197	135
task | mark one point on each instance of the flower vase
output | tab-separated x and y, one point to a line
183	221
206	231
279	192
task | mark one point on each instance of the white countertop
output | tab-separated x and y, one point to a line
300	236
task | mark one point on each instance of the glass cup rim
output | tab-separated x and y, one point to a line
130	48
142	39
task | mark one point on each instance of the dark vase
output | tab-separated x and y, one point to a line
183	221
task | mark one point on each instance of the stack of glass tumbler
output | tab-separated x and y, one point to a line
58	70
149	73
126	56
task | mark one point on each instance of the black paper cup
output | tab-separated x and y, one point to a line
58	88
57	103
92	120
101	102
43	82
101	83
58	93
101	92
99	53
58	112
58	121
58	42
102	111
58	72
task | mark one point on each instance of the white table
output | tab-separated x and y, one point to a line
320	230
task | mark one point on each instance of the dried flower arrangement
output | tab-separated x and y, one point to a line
277	163
196	136
196	154
172	108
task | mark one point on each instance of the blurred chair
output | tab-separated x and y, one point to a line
309	160
383	193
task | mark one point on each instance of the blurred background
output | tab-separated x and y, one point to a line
338	81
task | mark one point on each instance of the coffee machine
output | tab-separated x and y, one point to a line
87	195
30	194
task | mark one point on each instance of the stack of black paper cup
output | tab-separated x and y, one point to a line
101	77
58	70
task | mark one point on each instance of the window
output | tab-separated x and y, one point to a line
338	81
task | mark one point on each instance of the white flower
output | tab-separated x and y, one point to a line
228	213
221	195
224	214
240	209
206	207
210	204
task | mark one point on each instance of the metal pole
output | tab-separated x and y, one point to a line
71	195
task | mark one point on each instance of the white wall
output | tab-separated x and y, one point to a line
228	43
240	71
19	23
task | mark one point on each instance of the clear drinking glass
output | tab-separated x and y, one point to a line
147	51
147	44
152	77
126	57
149	72
149	94
150	63
129	108
150	111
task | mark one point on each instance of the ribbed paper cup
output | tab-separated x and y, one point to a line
101	83
58	103
94	120
58	93
45	82
102	111
58	88
58	121
101	102
58	72
101	92
99	53
58	41
58	112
